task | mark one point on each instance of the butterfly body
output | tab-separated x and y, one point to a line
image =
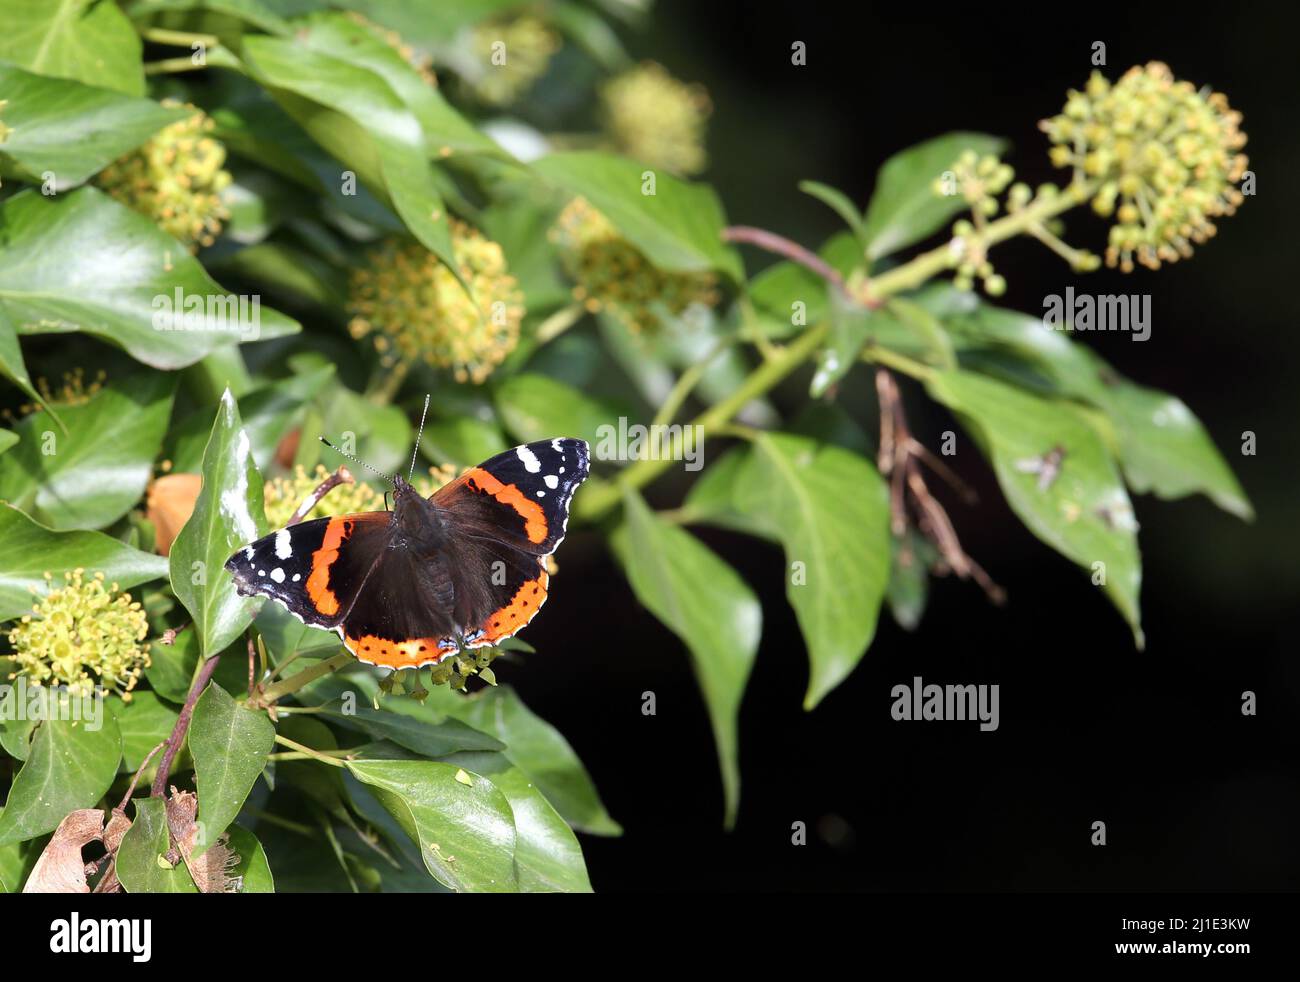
408	587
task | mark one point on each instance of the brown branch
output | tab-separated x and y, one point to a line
781	246
898	458
135	779
182	724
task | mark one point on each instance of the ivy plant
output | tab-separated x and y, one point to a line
228	228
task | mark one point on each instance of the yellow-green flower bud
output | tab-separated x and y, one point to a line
176	179
83	635
657	119
612	274
409	302
1165	158
512	54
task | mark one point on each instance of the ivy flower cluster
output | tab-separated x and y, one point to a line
612	275
514	53
1163	155
83	635
412	306
176	179
657	119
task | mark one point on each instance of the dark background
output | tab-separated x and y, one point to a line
1195	796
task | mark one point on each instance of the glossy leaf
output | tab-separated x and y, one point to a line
540	751
537	407
904	208
30	550
69	766
354	114
548	858
829	509
705	603
252	870
1164	449
144	722
84	262
838	202
229	743
141	859
94	473
679	227
1084	512
446	131
417	728
227	515
73	130
90	42
466	833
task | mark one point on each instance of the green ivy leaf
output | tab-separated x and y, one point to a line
227	515
94	474
417	728
540	751
336	34
252	12
78	39
841	204
904	208
679	227
141	863
1164	449
462	441
144	722
705	603
31	550
354	114
829	509
12	865
252	870
548	858
1084	512
537	407
172	666
73	130
909	577
229	743
53	279
466	834
70	766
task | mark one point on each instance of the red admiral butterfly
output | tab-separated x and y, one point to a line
407	587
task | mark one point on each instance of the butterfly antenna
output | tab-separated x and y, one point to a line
419	434
356	460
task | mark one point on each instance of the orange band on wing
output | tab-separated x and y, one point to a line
527	600
508	494
396	654
318	588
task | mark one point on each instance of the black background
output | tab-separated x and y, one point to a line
1195	796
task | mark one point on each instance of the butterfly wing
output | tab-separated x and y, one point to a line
505	517
520	496
306	568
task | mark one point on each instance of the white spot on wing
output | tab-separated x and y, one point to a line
552	481
531	464
277	574
283	548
